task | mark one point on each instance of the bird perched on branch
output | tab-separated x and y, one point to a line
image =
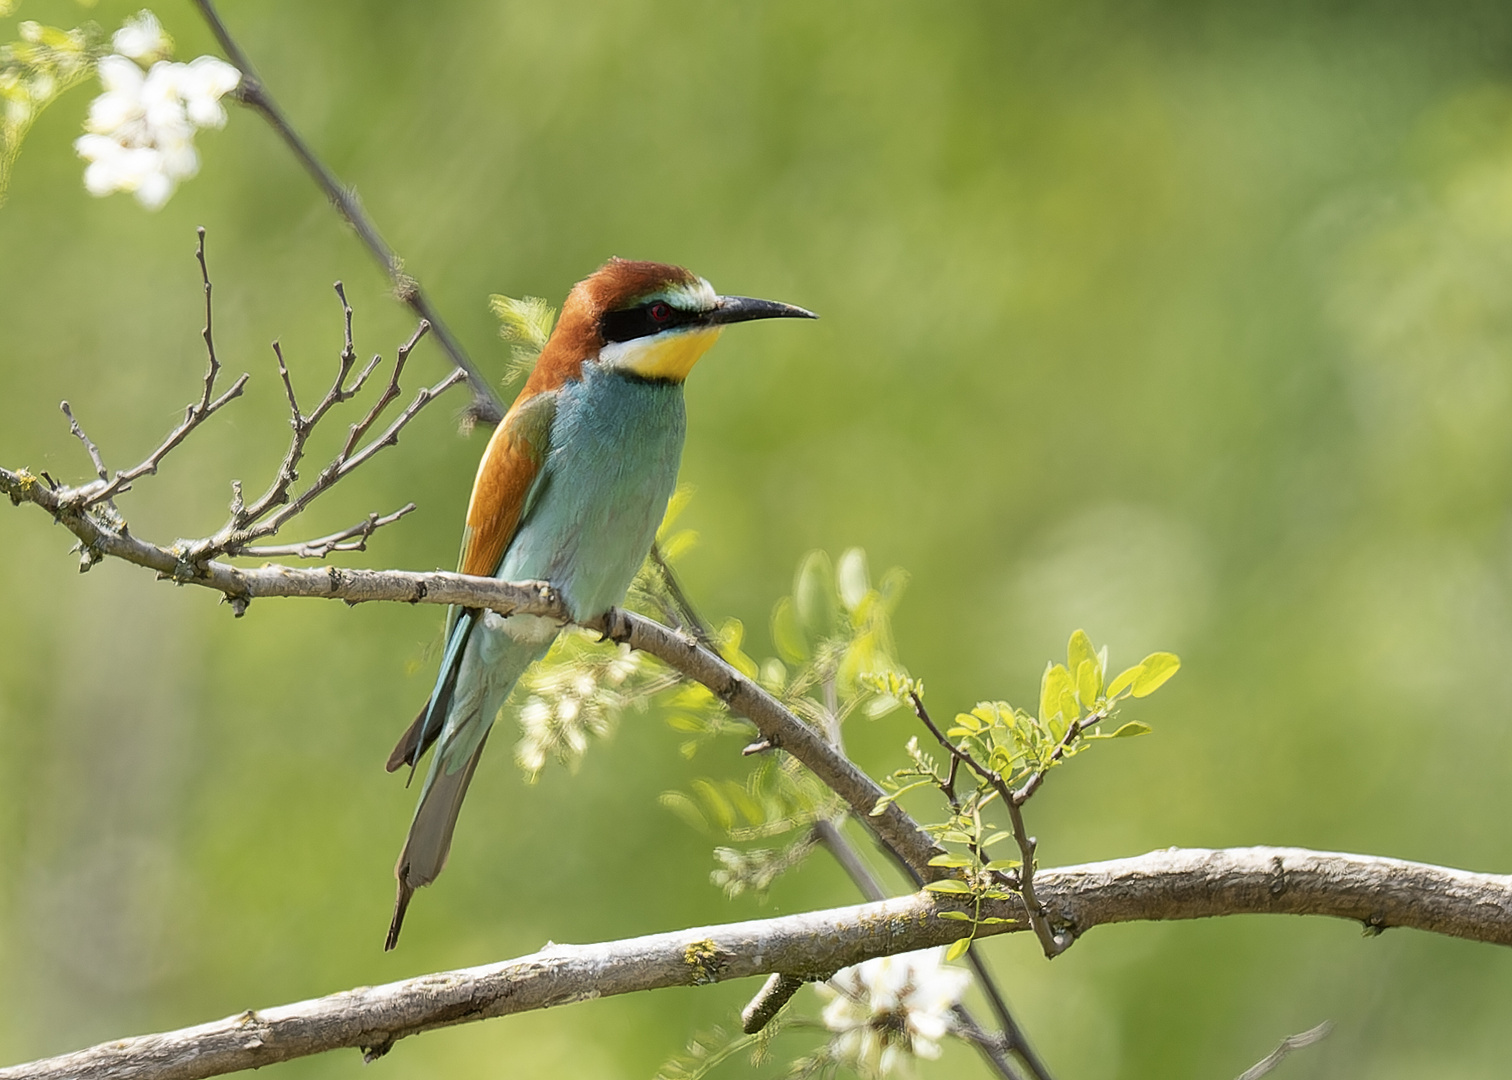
570	491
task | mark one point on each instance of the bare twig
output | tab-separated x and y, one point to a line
235	540
350	539
776	992
89	447
487	407
103	490
1163	885
1267	1064
1013	1037
682	607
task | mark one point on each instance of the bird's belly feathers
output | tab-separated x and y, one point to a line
616	443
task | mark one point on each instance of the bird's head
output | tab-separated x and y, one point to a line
651	320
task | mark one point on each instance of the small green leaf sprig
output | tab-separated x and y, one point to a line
998	756
526	324
835	625
35	71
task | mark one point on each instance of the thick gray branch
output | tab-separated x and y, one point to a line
1170	884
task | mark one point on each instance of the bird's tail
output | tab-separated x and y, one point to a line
480	668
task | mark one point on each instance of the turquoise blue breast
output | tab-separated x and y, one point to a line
616	442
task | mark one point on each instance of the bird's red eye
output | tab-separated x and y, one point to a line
661	312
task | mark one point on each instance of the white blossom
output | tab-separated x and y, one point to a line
140	131
886	1010
142	38
570	701
206	80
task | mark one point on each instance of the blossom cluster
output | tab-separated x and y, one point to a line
570	701
886	1010
140	131
35	69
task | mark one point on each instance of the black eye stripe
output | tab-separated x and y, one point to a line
638	322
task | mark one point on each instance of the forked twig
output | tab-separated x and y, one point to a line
103	490
278	505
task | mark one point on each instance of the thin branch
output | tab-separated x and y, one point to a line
350	539
1052	943
993	1047
487	407
682	607
1163	885
103	490
776	992
1073	732
235	540
1013	1037
89	446
1267	1064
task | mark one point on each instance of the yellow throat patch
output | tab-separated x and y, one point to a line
661	356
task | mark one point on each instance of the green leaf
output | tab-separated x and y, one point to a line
995	837
953	916
1088	683
1131	729
853	580
1125	680
678	544
749	807
949	886
684	722
886	800
953	862
1004	864
815	596
1078	649
730	634
1155	669
715	805
525	324
527	321
957	949
787	635
970	722
684	808
1056	688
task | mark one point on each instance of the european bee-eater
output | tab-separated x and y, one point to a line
570	491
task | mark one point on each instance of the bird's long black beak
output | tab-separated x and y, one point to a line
734	309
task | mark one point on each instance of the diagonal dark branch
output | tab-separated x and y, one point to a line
487	407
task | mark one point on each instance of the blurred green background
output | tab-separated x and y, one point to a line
1189	323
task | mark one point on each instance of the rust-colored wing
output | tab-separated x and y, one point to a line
503	485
